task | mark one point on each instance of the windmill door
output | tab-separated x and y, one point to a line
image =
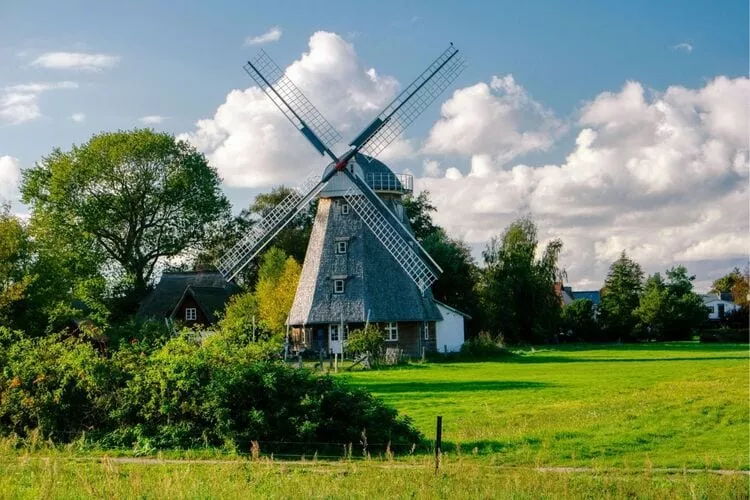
337	336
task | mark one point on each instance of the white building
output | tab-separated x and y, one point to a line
450	331
718	307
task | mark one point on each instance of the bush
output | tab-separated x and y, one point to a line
185	393
367	340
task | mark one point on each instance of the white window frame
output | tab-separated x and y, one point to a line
191	313
426	331
338	286
391	331
335	329
341	246
344	209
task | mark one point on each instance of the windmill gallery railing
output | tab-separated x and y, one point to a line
382	181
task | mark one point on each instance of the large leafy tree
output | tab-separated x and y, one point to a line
15	263
620	297
137	196
669	309
517	288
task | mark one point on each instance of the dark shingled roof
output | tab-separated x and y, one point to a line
593	295
210	290
375	283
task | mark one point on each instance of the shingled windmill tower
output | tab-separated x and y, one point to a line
363	263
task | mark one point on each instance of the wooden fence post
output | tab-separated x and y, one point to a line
438	442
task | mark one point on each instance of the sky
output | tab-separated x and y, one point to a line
615	125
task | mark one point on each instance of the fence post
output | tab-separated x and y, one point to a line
438	442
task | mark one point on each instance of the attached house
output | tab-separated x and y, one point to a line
719	305
192	298
449	333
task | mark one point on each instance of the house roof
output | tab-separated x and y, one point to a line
715	297
453	309
593	295
209	289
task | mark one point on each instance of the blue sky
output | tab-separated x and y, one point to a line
180	60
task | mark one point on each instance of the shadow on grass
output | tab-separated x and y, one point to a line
463	386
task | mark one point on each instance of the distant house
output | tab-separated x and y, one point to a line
189	297
719	305
449	333
563	293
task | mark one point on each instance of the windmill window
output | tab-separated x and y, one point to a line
391	331
344	209
426	331
191	314
338	286
341	247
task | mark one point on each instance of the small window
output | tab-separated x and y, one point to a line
344	209
191	314
391	331
338	286
426	331
341	247
336	333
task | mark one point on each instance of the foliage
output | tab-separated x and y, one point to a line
579	320
620	298
182	394
419	211
15	260
241	318
367	340
516	289
483	346
669	310
277	284
137	196
737	283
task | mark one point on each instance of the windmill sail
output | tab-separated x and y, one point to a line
269	226
410	103
293	103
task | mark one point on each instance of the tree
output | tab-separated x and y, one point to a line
669	310
139	196
367	340
620	297
516	289
737	282
579	319
277	284
419	212
15	261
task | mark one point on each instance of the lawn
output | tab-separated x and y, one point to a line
657	405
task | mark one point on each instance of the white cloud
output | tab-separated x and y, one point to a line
683	46
663	176
272	35
10	179
499	119
251	143
152	119
20	103
78	117
76	60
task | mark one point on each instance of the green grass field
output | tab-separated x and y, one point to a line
660	405
628	421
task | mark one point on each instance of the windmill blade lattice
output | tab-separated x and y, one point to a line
269	226
410	103
384	231
293	103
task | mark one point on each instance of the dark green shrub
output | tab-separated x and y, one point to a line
367	340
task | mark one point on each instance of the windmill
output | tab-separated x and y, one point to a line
361	266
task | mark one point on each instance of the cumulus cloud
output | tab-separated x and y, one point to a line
498	118
684	47
251	143
20	103
272	35
661	175
76	61
78	117
10	179
152	119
